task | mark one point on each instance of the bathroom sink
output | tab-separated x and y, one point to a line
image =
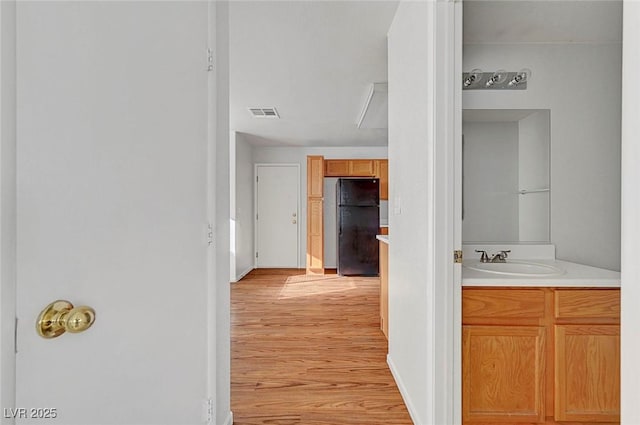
517	268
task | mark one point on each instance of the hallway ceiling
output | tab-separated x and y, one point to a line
314	61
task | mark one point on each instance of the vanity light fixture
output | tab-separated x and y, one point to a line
498	80
521	77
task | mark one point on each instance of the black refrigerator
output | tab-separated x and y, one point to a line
358	222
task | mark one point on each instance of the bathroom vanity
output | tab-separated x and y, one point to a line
540	348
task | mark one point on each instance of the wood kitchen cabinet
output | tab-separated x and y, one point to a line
350	167
383	175
315	176
541	355
363	168
378	168
315	219
336	168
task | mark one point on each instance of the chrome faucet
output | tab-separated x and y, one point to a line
484	258
500	257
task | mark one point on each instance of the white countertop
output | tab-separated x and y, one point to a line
383	238
574	276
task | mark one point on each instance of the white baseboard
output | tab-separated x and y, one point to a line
243	274
229	420
403	391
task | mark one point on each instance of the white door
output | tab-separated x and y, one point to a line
277	215
112	210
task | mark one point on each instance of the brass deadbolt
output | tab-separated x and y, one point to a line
61	316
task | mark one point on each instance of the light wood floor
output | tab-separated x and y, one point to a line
309	350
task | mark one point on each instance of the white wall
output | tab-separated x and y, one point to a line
533	174
295	155
422	139
7	203
580	84
242	210
630	371
409	184
490	182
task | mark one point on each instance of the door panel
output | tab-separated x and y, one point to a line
111	195
503	373
278	217
587	373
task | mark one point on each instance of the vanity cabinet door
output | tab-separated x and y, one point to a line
587	355
503	374
587	373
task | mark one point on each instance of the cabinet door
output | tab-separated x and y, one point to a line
383	175
315	236
587	373
315	176
315	218
362	168
336	168
503	370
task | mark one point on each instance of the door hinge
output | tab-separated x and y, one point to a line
256	216
457	256
209	234
209	60
209	410
256	254
257	179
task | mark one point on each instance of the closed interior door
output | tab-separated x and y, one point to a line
112	210
277	215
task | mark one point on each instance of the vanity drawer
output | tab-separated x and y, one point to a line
494	306
587	304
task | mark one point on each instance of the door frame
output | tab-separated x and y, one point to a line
446	213
255	207
456	19
8	191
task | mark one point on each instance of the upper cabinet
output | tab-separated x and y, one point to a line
363	167
378	168
315	176
336	167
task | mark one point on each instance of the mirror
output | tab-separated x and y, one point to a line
505	175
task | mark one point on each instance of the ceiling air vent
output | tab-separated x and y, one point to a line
264	112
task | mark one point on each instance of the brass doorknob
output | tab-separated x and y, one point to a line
61	316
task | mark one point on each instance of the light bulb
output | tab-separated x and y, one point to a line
474	76
498	77
521	76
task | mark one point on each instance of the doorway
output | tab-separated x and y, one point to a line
277	205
